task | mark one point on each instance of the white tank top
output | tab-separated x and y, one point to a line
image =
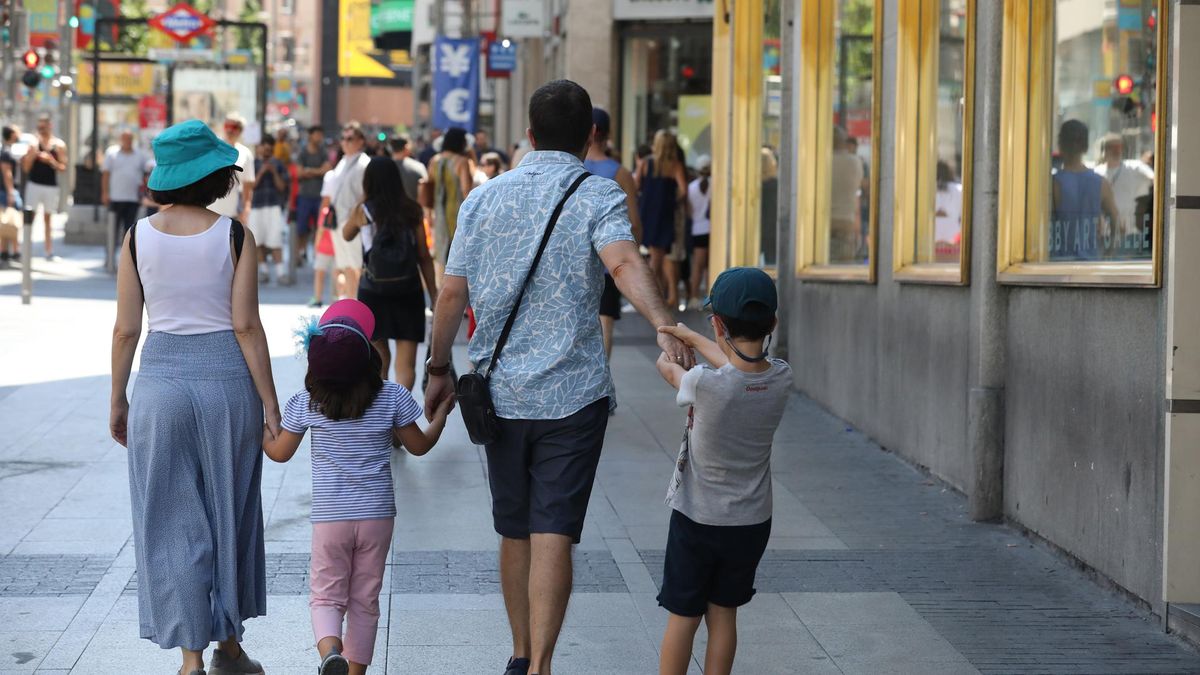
187	280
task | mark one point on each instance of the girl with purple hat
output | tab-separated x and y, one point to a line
357	418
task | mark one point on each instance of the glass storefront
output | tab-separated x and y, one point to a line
772	109
666	84
943	242
1100	190
849	165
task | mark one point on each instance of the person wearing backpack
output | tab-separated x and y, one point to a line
395	261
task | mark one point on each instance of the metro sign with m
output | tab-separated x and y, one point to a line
182	22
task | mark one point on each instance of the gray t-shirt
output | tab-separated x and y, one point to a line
126	171
412	173
723	476
311	187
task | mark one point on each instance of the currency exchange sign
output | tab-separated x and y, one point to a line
455	82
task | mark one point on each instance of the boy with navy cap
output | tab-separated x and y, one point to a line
721	490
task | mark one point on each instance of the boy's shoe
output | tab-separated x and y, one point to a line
334	664
517	667
223	664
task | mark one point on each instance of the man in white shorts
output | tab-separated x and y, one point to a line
42	166
236	204
347	193
268	195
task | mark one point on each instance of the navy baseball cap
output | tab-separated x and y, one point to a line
744	293
602	121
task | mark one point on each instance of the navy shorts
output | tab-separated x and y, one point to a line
610	299
710	564
307	210
541	472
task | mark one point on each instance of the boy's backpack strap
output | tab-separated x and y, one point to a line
237	235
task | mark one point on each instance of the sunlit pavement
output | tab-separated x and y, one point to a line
872	568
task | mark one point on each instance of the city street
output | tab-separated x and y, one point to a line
873	567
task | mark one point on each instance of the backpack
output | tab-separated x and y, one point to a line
390	266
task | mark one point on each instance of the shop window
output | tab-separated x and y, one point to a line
1081	129
838	139
933	140
770	133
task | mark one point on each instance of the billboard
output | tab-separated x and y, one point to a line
455	82
208	94
357	56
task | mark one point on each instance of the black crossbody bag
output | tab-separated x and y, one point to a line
472	390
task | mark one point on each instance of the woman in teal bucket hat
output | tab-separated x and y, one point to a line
195	425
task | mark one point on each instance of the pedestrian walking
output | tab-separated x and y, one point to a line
122	174
412	172
550	388
598	162
699	206
323	265
311	166
236	203
195	426
451	178
720	493
356	417
396	260
268	197
662	185
347	189
10	197
41	168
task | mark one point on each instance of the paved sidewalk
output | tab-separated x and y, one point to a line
872	567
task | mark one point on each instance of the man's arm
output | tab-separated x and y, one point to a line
636	282
447	318
59	165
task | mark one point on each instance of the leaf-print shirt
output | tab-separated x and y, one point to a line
553	364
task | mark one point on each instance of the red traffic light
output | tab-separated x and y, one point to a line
1123	84
31	59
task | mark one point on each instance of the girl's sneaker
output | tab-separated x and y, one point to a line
334	664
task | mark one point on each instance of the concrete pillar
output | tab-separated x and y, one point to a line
785	263
989	303
589	49
1181	546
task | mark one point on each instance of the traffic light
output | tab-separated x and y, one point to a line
31	79
31	59
1123	84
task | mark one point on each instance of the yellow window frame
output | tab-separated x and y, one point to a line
917	59
815	144
1027	83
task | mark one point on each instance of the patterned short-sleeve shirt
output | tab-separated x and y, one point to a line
352	459
553	364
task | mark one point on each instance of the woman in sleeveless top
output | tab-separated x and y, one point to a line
452	178
663	184
195	425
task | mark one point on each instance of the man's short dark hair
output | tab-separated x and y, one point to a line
560	116
315	129
398	143
201	193
748	330
268	140
10	133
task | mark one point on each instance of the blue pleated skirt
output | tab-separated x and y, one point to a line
195	468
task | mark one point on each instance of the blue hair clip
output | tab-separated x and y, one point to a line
309	327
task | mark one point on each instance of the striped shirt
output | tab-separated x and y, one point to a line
351	459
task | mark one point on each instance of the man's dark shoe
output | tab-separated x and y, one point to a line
517	667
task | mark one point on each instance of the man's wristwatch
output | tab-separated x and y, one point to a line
436	371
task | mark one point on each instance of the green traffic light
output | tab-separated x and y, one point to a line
47	72
73	22
382	136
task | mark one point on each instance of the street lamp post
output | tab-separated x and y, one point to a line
27	256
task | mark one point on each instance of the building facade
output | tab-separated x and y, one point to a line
984	223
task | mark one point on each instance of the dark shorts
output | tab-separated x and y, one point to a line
397	317
541	472
700	241
126	214
307	209
710	564
610	299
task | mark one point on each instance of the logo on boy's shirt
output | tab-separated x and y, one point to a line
755	388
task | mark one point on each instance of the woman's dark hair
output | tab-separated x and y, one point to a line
944	175
201	193
748	330
391	207
703	184
455	140
346	400
560	117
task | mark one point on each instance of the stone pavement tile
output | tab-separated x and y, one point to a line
102	493
77	535
880	647
39	613
780	542
852	609
432	659
446	601
600	609
22	651
605	649
473	627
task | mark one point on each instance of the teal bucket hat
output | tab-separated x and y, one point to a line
186	153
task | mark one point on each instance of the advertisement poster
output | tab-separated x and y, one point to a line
208	94
695	126
455	82
357	56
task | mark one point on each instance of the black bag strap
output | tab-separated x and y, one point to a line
237	235
512	317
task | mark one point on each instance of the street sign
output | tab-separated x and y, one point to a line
196	55
501	58
117	79
523	18
182	23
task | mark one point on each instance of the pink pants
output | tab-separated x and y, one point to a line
348	561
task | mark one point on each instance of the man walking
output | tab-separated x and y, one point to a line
347	194
551	385
268	198
123	172
236	204
42	166
412	172
312	167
